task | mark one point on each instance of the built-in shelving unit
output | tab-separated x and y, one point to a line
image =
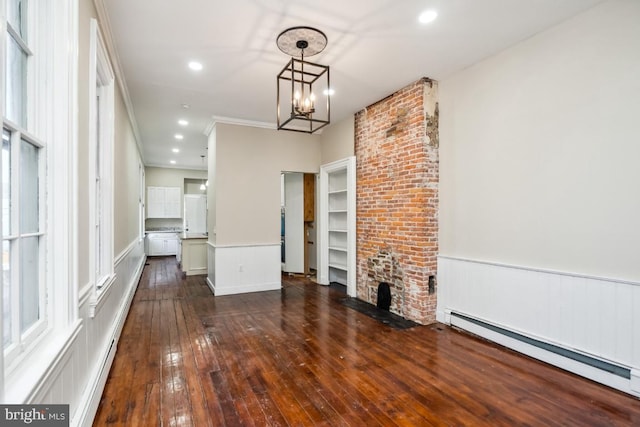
337	210
338	226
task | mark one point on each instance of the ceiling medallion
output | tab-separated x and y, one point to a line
300	81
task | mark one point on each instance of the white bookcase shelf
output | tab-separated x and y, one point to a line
337	216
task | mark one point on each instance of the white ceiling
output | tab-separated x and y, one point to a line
375	48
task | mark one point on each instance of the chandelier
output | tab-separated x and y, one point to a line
302	83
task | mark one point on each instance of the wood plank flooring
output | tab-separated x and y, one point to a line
297	357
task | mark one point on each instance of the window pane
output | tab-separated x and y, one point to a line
30	282
15	103
29	218
16	14
6	182
6	292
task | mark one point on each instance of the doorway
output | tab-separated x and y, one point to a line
297	223
195	213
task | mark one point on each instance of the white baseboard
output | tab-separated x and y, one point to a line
635	381
260	287
579	368
243	269
565	315
90	399
210	284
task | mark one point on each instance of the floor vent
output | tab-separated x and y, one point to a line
587	360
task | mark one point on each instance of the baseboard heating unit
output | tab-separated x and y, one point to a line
614	375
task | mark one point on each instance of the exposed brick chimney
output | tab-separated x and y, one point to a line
396	145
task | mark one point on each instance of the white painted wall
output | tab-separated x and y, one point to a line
248	166
539	200
338	140
539	150
173	177
245	185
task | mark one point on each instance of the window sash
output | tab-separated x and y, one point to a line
16	81
23	241
101	152
17	17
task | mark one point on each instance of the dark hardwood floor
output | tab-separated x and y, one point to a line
297	357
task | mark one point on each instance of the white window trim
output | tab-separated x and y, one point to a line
52	116
141	201
3	43
101	82
16	351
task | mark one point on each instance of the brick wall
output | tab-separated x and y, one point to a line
396	145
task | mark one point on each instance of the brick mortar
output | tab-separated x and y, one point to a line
396	146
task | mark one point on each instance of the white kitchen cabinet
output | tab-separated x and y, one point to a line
162	244
172	200
163	202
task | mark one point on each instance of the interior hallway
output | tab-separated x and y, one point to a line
299	357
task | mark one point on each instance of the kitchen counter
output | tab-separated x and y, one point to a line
186	236
163	230
193	253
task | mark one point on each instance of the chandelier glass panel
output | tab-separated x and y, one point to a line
304	101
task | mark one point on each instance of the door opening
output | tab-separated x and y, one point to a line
297	223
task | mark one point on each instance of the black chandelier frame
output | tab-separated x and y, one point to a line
301	115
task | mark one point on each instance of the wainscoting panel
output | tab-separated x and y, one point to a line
211	265
103	330
242	269
79	371
586	316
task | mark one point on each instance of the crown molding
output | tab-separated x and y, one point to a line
105	27
240	122
163	166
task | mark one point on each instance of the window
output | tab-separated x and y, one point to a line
38	42
23	234
18	53
6	253
141	213
101	152
24	314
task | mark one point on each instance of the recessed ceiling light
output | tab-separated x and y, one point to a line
173	162
329	92
427	16
178	136
182	122
176	150
195	66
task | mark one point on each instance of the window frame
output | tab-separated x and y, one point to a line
23	41
29	43
50	121
101	150
23	340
